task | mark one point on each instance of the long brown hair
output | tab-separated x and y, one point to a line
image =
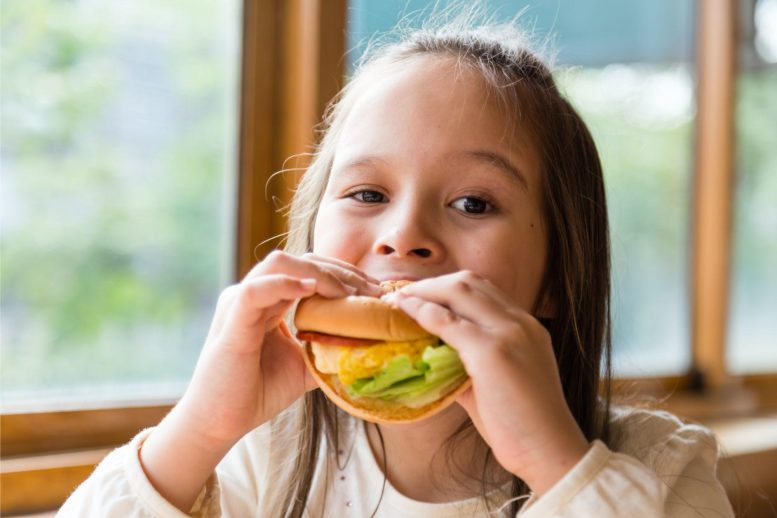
577	276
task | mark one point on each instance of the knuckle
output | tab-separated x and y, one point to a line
275	257
244	293
328	274
503	348
440	316
227	294
543	333
449	317
506	336
469	275
465	281
463	285
532	327
516	331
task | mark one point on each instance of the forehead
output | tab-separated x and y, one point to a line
427	109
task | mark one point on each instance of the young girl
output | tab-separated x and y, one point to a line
450	159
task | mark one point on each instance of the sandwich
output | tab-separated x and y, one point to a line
375	362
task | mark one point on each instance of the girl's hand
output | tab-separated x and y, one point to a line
516	401
251	368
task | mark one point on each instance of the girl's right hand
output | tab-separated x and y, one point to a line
250	367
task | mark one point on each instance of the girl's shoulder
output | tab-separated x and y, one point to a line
659	438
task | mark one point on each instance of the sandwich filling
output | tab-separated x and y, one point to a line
413	373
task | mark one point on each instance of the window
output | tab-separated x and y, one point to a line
60	104
753	328
119	167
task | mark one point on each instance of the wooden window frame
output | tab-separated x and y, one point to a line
709	389
292	65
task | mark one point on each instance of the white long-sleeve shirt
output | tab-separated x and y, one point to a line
657	466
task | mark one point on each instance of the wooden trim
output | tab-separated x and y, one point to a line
257	129
748	449
42	483
713	187
311	73
750	395
43	432
750	481
293	66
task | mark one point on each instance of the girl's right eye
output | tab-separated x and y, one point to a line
367	196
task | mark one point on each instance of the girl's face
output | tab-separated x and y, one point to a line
428	179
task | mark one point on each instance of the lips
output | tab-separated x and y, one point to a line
398	277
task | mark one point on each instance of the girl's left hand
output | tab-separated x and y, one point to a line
516	401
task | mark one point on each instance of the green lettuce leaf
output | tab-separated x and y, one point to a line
432	376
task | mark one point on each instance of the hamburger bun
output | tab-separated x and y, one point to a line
332	327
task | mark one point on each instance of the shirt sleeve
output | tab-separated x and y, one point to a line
118	487
673	475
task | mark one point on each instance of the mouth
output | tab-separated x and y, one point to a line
397	277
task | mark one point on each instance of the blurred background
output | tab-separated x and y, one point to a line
125	152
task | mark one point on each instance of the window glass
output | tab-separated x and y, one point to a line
628	68
753	326
118	169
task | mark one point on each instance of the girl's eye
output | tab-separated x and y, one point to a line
473	205
368	196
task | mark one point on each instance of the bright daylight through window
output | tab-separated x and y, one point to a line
119	124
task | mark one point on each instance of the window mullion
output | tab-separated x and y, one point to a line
293	66
713	187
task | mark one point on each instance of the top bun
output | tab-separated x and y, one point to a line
359	316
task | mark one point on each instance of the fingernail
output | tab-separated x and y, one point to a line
308	283
373	288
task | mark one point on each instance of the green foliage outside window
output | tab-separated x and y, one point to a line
118	138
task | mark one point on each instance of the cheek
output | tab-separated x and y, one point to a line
334	237
515	263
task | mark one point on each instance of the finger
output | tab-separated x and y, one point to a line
364	284
225	301
343	264
456	331
333	280
465	296
253	301
467	278
468	402
273	288
291	341
307	379
328	283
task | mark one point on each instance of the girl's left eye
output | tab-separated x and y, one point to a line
473	205
367	196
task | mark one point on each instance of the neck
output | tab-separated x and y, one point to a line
420	466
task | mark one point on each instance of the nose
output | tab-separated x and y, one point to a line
410	235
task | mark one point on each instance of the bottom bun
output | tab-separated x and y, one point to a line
377	410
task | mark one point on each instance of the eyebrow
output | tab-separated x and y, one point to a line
488	157
499	162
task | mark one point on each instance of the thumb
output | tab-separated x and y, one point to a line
467	401
309	382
